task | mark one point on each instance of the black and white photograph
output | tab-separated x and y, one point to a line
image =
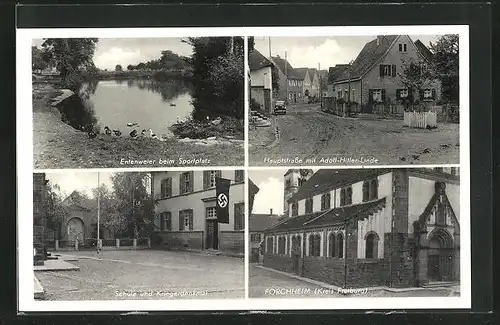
354	100
372	232
138	235
135	102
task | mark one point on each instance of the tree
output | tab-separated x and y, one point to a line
37	58
118	68
416	75
130	67
70	56
446	62
55	211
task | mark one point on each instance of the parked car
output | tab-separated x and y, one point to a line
279	107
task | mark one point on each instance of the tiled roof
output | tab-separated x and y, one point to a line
252	188
302	72
424	50
368	56
325	180
258	61
335	216
337	71
290	71
260	222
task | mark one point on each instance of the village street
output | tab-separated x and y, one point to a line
265	283
308	133
146	274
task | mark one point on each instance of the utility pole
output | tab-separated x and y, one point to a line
270	55
320	92
98	208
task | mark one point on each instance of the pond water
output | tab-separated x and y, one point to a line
151	104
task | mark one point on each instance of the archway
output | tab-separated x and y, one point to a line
440	256
75	229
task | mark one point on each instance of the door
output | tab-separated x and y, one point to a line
267	100
212	234
75	229
434	269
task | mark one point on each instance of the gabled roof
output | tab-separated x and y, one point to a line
285	66
302	72
260	222
369	55
336	71
295	222
325	180
424	50
258	61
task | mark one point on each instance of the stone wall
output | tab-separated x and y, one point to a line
232	241
181	240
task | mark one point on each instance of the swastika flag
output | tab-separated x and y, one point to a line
222	199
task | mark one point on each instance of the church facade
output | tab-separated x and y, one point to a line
357	228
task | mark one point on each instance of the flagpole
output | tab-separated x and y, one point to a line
98	208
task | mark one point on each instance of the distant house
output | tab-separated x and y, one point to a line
257	224
306	82
291	82
261	83
373	77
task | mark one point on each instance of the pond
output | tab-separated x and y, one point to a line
148	103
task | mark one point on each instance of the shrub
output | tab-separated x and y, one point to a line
254	106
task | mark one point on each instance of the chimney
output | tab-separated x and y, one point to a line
271	212
379	39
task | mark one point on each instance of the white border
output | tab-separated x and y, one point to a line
26	302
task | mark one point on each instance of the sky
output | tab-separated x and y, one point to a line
81	181
125	51
271	187
327	51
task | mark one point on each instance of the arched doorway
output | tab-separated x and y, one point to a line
440	256
75	229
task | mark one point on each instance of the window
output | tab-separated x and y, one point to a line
441	214
332	246
211	213
349	196
255	238
387	70
239	175
374	189
371	249
270	244
346	196
210	177
281	245
165	221
455	171
377	95
427	93
340	245
339	94
309	205
185	220
166	187
402	93
438	169
402	48
301	181
288	183
296	245
314	245
186	182
325	201
239	216
295	209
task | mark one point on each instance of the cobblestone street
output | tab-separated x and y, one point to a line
308	133
146	274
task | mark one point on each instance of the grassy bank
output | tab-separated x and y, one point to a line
58	145
193	129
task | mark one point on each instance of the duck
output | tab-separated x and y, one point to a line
143	133
217	121
152	135
107	130
132	124
172	104
117	132
92	134
133	134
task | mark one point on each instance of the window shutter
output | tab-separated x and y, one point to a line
398	94
181	184
181	221
383	95
393	70
169	221
433	93
381	67
421	94
191	182
370	95
206	177
190	219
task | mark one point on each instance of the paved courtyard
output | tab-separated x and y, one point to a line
146	274
264	283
